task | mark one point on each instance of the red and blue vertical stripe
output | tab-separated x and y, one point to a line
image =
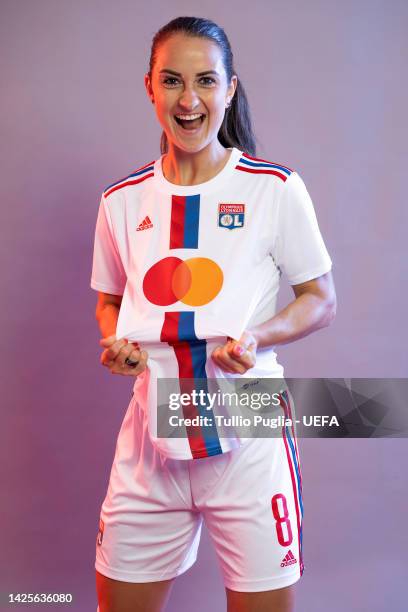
294	468
185	220
179	332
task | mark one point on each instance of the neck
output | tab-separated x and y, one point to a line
184	168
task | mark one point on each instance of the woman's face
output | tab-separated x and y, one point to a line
190	90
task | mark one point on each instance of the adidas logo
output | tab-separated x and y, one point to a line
288	559
145	224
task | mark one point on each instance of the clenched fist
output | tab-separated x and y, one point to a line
236	356
117	351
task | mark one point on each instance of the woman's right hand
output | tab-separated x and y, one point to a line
117	351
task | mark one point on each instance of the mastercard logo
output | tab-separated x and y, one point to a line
195	281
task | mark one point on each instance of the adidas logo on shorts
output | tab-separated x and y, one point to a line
145	224
288	559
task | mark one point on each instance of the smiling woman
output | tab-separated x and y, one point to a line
191	73
189	97
196	241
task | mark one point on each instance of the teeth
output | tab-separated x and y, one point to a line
189	117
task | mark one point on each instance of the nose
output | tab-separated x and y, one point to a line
189	99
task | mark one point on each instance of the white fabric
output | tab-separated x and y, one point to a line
280	234
152	514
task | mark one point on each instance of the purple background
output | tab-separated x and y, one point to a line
324	80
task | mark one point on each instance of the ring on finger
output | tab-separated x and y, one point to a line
131	363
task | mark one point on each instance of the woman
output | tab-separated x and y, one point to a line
187	258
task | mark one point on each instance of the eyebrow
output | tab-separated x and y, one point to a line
173	72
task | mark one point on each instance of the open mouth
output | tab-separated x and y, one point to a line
190	122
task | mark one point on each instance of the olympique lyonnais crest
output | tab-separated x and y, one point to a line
231	216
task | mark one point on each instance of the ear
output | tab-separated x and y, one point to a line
148	86
232	87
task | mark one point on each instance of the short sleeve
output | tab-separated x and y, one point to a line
298	247
108	274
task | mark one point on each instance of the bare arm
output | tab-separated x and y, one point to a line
107	312
314	307
116	351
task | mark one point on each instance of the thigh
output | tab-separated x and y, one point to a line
148	529
118	596
278	600
251	500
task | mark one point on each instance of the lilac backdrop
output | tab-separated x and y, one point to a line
327	97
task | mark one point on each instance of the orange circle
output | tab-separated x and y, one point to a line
206	281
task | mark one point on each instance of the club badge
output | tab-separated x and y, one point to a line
231	216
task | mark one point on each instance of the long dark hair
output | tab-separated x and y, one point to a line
236	128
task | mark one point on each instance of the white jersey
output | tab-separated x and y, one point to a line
198	263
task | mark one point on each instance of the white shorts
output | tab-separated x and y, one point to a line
250	499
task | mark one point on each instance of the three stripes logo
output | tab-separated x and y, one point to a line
145	224
288	559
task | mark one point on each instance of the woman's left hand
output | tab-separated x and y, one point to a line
236	356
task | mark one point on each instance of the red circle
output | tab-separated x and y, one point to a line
158	281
